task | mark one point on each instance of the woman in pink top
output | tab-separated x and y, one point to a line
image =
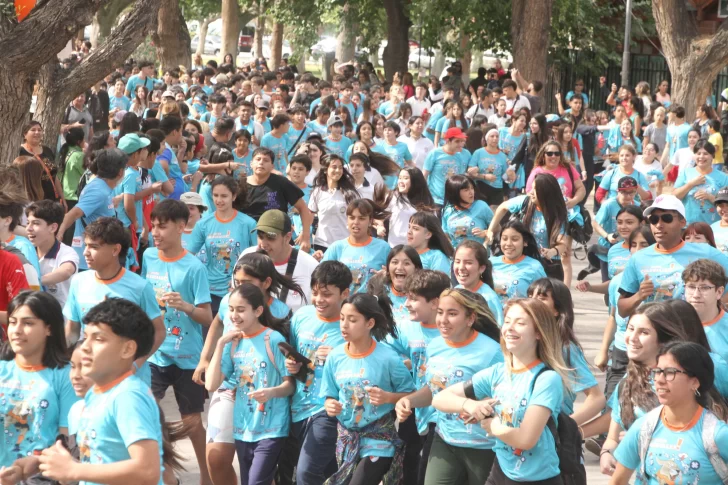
551	160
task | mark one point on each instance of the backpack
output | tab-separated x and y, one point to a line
580	234
567	439
710	422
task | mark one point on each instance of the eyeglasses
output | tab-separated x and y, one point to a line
552	154
698	289
666	218
670	373
270	236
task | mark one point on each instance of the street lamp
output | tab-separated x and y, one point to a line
627	35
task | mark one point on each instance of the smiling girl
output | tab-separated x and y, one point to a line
410	195
473	271
464	217
697	186
519	266
430	241
362	381
402	262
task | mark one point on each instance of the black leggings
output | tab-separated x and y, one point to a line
369	472
497	477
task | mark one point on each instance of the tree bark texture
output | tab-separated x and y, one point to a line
530	37
58	86
172	39
259	30
105	19
276	46
396	53
204	26
694	59
345	42
230	28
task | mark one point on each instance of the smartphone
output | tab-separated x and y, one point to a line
82	121
290	353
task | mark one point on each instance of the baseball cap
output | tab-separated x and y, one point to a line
274	222
168	94
455	133
263	104
626	183
132	143
666	202
722	195
333	120
192	198
119	115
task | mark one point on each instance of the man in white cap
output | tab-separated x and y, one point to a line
655	273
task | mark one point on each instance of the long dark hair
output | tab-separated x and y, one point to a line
463	121
346	182
418	196
453	186
563	303
530	246
74	138
255	297
697	363
536	141
439	239
129	124
377	307
384	278
260	266
474	141
481	256
552	205
47	309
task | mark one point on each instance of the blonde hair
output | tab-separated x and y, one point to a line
549	346
169	108
475	305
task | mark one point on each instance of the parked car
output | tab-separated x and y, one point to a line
285	50
245	43
420	58
212	44
323	46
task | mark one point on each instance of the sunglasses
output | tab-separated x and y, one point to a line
666	218
552	154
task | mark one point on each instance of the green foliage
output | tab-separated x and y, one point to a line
199	9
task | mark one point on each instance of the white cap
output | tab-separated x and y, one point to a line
192	198
668	203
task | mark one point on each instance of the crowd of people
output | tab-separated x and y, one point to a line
364	281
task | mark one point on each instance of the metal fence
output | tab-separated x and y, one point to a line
653	69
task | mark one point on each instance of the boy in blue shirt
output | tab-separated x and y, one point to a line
315	332
106	244
336	142
277	141
168	159
144	78
298	169
677	132
182	291
298	131
119	432
119	102
444	162
704	282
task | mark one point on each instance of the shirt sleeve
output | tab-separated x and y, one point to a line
483	383
583	378
197	239
429	161
291	193
548	392
201	285
91	199
149	302
329	388
70	309
138	417
332	253
280	359
627	453
401	378
158	173
226	362
66	395
313	200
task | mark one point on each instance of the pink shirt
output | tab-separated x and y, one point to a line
562	176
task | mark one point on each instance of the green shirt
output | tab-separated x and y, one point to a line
72	173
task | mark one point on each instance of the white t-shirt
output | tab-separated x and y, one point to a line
301	275
477	109
418	148
515	104
311	177
683	158
59	254
399	221
366	190
498	121
418	107
374	177
331	210
650	171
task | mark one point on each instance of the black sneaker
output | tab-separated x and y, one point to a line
594	445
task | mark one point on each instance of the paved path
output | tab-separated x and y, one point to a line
591	315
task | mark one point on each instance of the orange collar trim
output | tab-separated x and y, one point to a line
113	280
691	424
360	356
715	320
30	368
359	245
670	251
225	221
114	383
528	367
464	343
173	260
515	261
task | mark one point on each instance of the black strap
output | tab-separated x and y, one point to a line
550	424
292	260
66	115
571	177
297	140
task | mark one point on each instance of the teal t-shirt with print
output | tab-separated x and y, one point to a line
720	233
435	260
617	258
701	210
511	279
581	377
130	185
441	165
363	260
459	223
491	298
279	147
490	164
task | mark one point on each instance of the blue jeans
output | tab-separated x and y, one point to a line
317	460
258	460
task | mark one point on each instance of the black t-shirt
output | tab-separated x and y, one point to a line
276	193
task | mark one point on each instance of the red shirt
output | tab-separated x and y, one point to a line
12	278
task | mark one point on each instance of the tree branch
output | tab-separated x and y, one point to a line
44	33
115	49
676	25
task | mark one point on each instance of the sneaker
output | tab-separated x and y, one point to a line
594	445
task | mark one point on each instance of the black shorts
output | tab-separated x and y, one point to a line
190	396
493	195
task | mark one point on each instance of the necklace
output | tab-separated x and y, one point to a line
109	279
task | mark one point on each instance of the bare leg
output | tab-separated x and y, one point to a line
193	422
220	458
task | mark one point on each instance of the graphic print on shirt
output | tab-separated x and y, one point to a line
252	375
445	375
667	281
171	316
309	345
355	396
672	466
21	415
359	272
225	250
505	286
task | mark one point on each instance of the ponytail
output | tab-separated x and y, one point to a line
379	308
260	266
173	431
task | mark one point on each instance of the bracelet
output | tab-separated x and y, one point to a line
462	408
605	451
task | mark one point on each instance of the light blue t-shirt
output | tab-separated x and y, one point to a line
399	310
458	223
295	216
95	201
621	322
296	138
205	191
346	379
701	210
432	124
338	147
677	137
354	111
130	184
720	233
441	165
135	81
717	333
607	218
665	268
246	170
364	260
250	127
175	172
610	182
616	406
114	419
224	242
490	164
570	95
121	103
538	223
674	456
187	276
308	333
280	147
449	364
444	124
491	297
512	278
412	341
317	127
617	258
509	143
34	404
514	397
26	247
581	377
435	260
251	369
386	108
186	240
399	152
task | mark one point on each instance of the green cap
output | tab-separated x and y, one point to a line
132	143
274	221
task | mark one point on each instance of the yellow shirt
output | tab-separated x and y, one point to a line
717	142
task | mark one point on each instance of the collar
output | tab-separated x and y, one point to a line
53	252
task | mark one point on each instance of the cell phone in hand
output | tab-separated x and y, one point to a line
290	353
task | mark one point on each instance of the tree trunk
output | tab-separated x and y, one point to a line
105	19
259	31
172	39
530	34
230	28
276	46
396	53
15	96
466	60
345	41
202	35
58	86
694	59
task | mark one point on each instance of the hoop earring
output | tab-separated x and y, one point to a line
697	393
